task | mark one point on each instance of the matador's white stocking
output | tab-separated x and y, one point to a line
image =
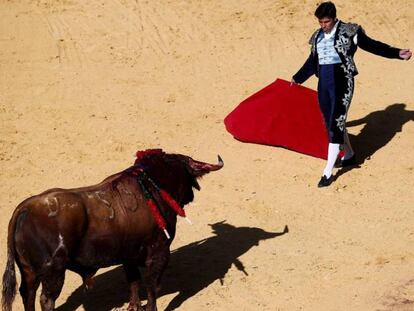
333	151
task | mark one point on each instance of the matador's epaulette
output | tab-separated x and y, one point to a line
350	29
312	41
312	38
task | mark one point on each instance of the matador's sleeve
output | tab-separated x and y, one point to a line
376	47
308	69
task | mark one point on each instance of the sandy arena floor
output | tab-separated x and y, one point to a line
84	84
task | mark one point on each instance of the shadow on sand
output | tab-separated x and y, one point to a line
380	128
191	269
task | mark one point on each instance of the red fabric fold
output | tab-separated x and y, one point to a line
281	115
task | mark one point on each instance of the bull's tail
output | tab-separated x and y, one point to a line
9	282
9	276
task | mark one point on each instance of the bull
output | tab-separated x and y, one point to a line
129	218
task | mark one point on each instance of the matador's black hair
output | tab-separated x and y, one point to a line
326	9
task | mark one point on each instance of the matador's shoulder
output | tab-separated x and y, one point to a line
312	38
350	28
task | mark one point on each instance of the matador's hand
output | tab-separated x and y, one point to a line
405	54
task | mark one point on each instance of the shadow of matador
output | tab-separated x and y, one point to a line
380	128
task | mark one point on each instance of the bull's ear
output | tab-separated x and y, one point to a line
198	168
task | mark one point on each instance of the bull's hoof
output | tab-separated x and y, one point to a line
134	307
88	283
149	308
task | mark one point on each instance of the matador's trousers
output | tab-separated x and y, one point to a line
335	90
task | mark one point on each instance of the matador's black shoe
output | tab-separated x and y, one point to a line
348	162
325	181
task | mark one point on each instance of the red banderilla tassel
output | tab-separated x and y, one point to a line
157	216
174	205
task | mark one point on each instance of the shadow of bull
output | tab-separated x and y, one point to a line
191	269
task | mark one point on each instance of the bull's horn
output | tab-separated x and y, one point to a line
206	167
219	165
215	167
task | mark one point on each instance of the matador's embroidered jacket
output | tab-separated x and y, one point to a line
346	48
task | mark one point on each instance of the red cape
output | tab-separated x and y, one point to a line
281	115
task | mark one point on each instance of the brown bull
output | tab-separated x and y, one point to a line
88	228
